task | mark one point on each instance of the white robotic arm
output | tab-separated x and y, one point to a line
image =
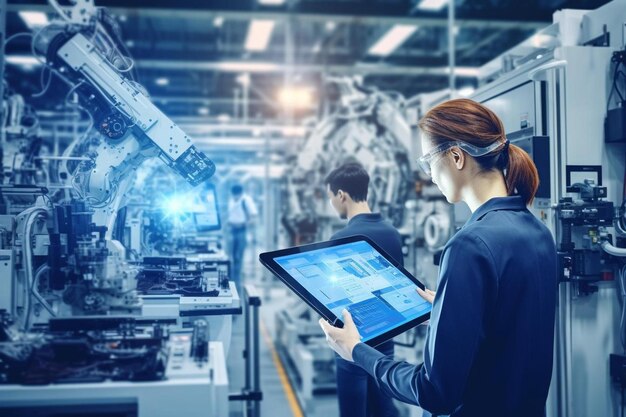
132	130
369	127
134	113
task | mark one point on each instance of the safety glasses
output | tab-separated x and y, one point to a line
431	158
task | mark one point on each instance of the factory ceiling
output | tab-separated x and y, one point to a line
195	59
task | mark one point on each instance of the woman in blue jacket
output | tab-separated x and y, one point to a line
490	339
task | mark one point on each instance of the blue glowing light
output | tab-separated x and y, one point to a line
174	205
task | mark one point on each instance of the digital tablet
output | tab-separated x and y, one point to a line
356	274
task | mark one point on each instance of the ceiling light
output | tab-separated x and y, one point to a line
272	2
22	60
293	131
223	118
330	26
218	21
244	79
297	97
466	91
203	111
259	34
34	19
162	81
391	40
247	66
432	5
465	71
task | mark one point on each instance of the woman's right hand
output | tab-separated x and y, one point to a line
428	295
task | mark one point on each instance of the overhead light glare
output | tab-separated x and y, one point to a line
34	19
223	118
391	40
247	66
259	34
465	71
293	131
295	97
432	5
244	79
22	60
466	91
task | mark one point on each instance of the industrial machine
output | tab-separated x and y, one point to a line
188	288
22	146
304	351
92	364
110	304
66	248
368	126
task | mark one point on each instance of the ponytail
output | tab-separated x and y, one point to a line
521	174
468	121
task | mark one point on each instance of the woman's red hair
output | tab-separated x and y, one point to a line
468	121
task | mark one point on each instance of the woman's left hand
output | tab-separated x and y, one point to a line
426	294
342	340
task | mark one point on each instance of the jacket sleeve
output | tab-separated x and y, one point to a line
467	279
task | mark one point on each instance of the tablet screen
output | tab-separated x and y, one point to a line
355	276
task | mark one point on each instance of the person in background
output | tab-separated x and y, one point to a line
347	187
242	214
490	341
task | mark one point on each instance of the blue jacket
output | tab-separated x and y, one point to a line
490	340
381	231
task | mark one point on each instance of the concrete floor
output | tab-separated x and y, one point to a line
275	402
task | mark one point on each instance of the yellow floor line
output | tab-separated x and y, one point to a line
291	395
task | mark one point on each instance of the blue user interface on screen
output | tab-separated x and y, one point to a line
356	277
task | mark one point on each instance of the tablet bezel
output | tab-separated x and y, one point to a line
268	260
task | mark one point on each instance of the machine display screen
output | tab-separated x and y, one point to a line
355	276
208	219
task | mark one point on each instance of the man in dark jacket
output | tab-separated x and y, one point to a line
358	394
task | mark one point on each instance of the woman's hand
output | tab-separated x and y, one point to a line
342	340
426	294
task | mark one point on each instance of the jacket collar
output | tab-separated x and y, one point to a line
365	217
513	203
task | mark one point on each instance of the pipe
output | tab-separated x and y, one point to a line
451	50
612	250
32	215
35	291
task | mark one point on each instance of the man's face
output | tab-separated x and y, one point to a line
337	201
